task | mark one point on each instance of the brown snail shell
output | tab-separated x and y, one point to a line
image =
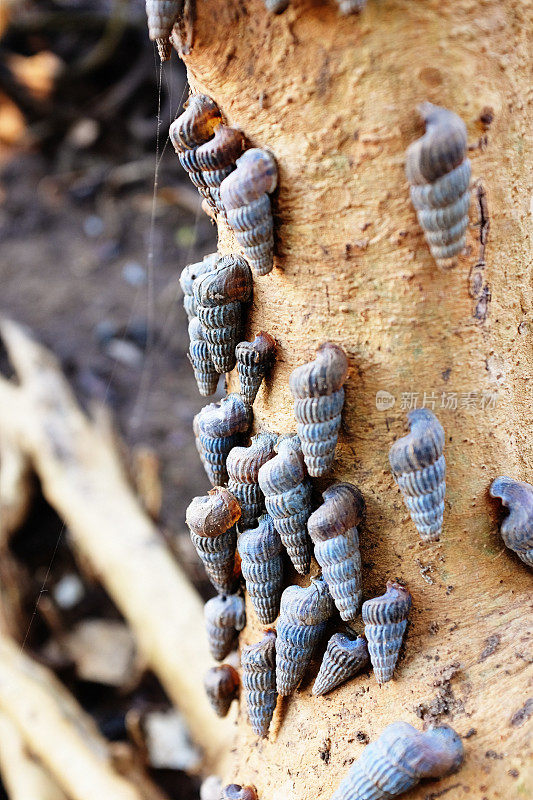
385	621
262	568
254	360
195	126
258	663
517	529
216	158
244	195
218	427
224	616
187	278
162	16
332	527
221	685
204	370
399	759
243	465
439	172
344	658
317	388
235	792
418	465
287	494
211	520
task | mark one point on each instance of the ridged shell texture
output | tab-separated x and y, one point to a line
221	685
262	568
218	428
205	373
258	663
254	360
243	465
385	619
162	15
224	617
517	528
344	658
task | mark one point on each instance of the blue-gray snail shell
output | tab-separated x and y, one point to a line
243	465
216	159
262	568
398	759
204	370
245	197
385	619
162	16
351	6
254	360
287	494
418	465
317	388
332	527
439	176
218	427
195	126
187	278
517	528
258	662
344	658
303	617
219	295
224	617
211	520
221	686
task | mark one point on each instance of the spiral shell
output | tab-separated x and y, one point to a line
224	617
216	158
344	658
419	467
219	295
288	500
204	370
303	616
332	527
211	520
317	388
218	427
195	126
235	792
258	664
399	759
517	528
243	464
244	195
221	686
439	175
351	6
162	16
385	621
262	568
254	359
187	278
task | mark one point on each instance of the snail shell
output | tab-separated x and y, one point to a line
187	278
344	658
399	759
235	792
351	6
276	6
162	16
254	359
218	427
317	388
419	467
303	616
211	520
517	528
288	500
385	621
258	664
218	295
224	617
439	175
244	195
216	158
195	126
243	464
200	358
332	527
262	568
221	686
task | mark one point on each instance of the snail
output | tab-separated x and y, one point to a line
399	758
162	16
517	528
221	686
317	388
351	6
219	295
418	465
187	278
211	520
439	176
258	662
204	370
195	126
244	195
262	568
344	658
303	616
332	527
235	792
385	621
288	499
254	359
243	464
216	159
218	427
224	617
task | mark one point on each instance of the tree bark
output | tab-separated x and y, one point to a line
334	98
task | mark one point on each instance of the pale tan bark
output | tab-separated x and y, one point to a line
334	99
